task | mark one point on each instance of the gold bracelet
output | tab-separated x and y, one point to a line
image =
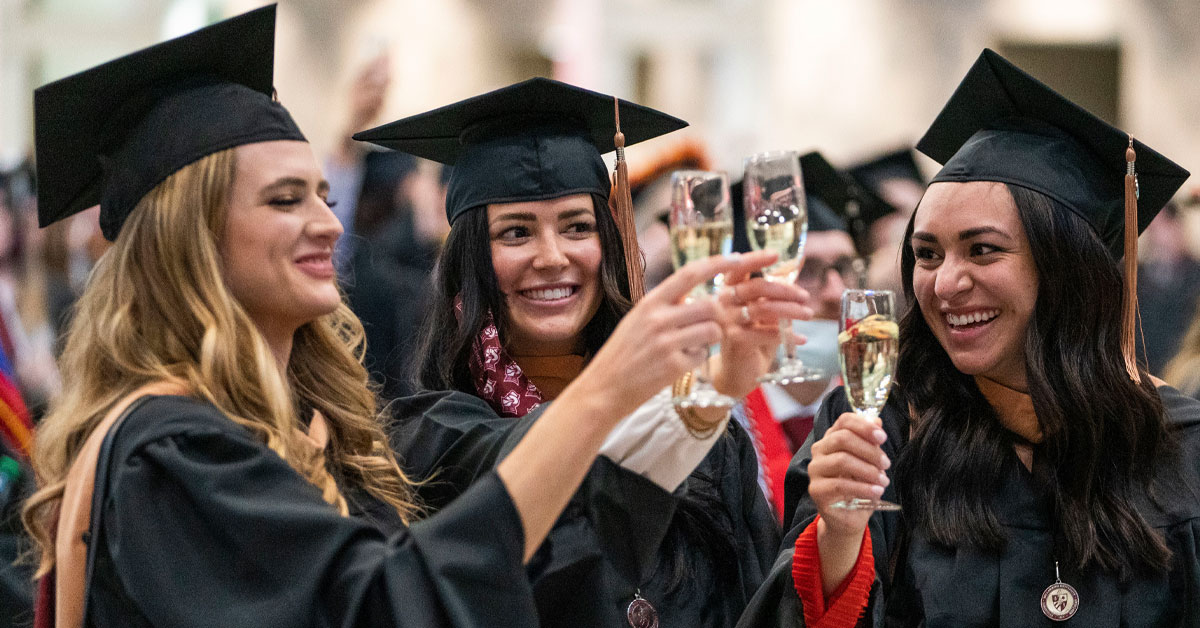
688	415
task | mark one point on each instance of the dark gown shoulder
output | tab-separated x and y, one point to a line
202	525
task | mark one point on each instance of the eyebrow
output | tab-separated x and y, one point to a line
532	217
322	185
965	234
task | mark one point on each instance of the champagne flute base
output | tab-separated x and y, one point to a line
865	504
793	373
704	397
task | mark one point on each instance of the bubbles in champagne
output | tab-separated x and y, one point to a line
781	227
868	352
692	243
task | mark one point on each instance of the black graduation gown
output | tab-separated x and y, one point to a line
608	543
202	525
939	587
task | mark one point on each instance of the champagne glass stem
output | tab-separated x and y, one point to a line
786	347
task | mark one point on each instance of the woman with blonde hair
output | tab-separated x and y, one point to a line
216	427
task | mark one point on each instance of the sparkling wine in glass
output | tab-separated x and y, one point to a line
701	226
777	220
868	344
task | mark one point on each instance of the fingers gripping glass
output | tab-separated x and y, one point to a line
701	226
777	220
868	345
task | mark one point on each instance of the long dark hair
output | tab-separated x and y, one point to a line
464	271
1103	433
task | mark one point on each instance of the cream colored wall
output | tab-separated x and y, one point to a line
851	77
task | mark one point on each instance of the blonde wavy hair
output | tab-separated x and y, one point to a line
156	308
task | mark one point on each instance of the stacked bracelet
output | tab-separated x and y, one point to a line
688	416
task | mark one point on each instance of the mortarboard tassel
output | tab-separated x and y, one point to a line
1129	315
621	205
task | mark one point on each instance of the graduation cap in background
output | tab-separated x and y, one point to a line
111	134
830	197
1001	124
875	173
855	206
538	139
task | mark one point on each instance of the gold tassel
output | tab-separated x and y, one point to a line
1129	315
621	205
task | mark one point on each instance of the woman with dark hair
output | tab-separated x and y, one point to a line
1043	473
670	521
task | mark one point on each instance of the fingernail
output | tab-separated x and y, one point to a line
885	462
877	490
883	479
880	436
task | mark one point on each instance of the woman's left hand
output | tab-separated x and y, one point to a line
750	313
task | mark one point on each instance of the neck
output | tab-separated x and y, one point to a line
1014	407
279	341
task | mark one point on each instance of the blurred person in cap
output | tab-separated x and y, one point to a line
1168	288
216	457
1043	473
538	272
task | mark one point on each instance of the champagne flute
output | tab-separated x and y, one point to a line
701	225
868	344
777	220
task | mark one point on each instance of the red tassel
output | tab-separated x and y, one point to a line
1129	314
621	204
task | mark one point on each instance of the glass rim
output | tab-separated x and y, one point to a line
869	292
709	174
770	154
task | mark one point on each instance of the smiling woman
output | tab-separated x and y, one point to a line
1044	475
531	288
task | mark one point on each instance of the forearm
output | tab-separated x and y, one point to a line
545	469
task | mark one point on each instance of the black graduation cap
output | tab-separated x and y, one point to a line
854	206
110	134
538	139
1003	125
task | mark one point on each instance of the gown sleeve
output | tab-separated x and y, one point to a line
776	604
605	542
204	526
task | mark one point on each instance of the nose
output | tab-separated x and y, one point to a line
549	253
324	224
953	279
831	292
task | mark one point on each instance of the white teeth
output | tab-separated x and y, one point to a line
548	294
973	317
